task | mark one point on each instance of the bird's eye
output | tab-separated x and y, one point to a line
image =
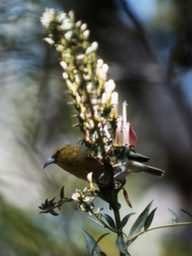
59	152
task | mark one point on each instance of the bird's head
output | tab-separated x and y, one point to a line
55	157
66	154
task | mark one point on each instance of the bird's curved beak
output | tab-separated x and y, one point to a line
51	160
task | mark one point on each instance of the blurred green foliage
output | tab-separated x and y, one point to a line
19	235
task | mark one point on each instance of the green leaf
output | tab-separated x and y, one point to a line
186	212
125	220
103	254
174	216
121	245
92	245
54	213
98	240
62	195
140	221
126	197
149	219
109	220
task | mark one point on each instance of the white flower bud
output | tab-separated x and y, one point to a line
68	35
83	27
93	47
67	55
61	17
63	64
65	75
59	48
66	25
47	17
89	87
94	102
86	34
105	68
78	23
80	56
114	98
99	63
71	16
109	85
104	98
49	40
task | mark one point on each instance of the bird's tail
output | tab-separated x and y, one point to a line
135	167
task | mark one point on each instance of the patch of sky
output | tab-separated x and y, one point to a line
186	81
145	10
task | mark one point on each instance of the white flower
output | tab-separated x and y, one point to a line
99	63
114	98
47	17
86	34
68	35
65	75
80	56
92	48
89	86
105	68
66	25
78	23
49	40
83	27
63	64
109	86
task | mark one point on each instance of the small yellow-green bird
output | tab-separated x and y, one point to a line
77	160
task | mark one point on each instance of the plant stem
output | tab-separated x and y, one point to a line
115	207
179	224
110	193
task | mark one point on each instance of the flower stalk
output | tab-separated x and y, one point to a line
107	134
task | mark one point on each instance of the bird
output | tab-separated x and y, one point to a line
78	160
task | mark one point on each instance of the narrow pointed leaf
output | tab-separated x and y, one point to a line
109	220
140	221
125	220
98	240
62	195
91	244
149	219
186	212
121	245
51	202
126	196
54	213
46	204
